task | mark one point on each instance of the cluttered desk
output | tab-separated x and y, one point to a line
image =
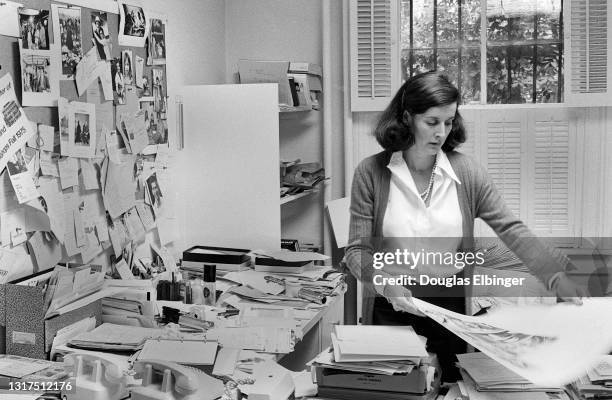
230	323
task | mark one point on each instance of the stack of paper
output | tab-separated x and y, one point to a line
326	359
597	383
117	337
489	375
365	343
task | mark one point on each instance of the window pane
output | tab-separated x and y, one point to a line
497	75
470	75
448	23
521	66
470	21
422	16
405	25
448	62
547	75
510	20
549	17
423	61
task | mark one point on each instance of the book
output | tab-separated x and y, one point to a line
265	264
306	68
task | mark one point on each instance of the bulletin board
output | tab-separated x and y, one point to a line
103	230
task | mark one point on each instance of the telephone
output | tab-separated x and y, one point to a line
165	380
96	378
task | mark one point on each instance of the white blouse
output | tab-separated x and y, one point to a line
408	216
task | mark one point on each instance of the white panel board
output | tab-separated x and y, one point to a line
228	172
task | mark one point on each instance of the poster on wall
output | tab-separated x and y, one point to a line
34	29
133	28
67	31
39	76
157	42
159	91
82	130
15	128
101	35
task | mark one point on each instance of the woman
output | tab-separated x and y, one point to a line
419	187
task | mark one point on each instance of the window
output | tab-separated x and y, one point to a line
523	47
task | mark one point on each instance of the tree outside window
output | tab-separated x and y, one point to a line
523	47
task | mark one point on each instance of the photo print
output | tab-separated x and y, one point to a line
126	66
117	81
39	77
67	32
21	178
101	37
157	42
154	193
133	28
155	126
34	27
139	71
159	90
63	110
82	130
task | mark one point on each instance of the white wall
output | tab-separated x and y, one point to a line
283	30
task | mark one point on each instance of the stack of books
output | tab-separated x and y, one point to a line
224	258
371	362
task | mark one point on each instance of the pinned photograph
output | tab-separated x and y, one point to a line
154	125
81	130
158	90
145	91
39	77
133	28
63	110
67	32
117	81
101	37
154	192
21	178
138	75
157	42
34	27
126	67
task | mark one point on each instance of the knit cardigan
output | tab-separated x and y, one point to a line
478	197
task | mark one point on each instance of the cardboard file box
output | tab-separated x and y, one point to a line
28	333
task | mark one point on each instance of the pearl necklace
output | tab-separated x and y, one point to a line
426	194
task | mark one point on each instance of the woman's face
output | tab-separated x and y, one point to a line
432	127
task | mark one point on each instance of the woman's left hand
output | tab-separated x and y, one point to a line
568	290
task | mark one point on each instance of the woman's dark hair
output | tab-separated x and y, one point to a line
417	95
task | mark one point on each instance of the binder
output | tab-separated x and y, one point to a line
22	312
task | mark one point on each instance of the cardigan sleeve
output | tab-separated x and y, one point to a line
542	260
359	250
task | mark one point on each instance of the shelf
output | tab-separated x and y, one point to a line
290	198
288	109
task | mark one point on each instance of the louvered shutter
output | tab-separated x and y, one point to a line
503	159
588	61
551	211
374	44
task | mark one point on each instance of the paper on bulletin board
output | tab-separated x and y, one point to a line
82	130
21	178
47	250
51	191
88	70
39	76
15	128
133	26
9	22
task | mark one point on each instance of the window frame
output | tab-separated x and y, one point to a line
484	45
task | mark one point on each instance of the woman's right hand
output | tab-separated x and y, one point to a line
400	298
